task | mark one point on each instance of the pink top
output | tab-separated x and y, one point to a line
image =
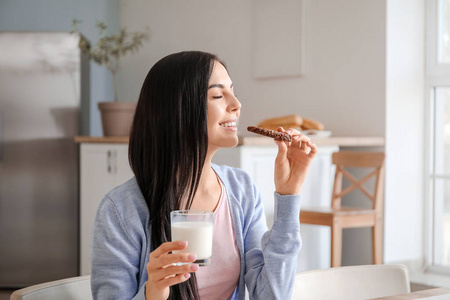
220	279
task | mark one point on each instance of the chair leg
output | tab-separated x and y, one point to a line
336	244
377	242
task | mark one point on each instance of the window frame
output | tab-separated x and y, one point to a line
437	75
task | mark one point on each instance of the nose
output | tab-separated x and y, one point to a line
234	104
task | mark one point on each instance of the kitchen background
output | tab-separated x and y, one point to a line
362	65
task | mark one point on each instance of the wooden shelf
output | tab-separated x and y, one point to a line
102	139
260	141
320	141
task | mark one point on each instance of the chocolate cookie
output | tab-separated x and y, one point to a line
270	133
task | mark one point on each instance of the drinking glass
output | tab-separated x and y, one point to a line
195	227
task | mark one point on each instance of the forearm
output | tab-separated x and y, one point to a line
273	268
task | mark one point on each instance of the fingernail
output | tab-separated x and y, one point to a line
182	243
187	275
192	257
194	267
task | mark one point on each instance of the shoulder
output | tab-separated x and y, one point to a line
127	197
124	208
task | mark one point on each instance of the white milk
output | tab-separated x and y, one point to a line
198	235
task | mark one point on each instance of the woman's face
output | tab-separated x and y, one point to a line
223	110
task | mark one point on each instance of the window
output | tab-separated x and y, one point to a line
443	37
438	85
440	175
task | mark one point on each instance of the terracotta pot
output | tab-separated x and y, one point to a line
117	117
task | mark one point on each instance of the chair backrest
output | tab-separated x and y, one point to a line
353	159
351	283
74	288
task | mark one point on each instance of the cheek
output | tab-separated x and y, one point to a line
210	121
213	114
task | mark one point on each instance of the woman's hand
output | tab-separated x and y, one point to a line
162	273
292	162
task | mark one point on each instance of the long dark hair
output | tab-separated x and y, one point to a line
169	140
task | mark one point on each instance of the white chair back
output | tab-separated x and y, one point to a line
74	288
352	283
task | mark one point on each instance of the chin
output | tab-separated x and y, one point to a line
228	143
234	144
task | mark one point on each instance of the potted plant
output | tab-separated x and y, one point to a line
116	116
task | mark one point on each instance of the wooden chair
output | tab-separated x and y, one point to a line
339	217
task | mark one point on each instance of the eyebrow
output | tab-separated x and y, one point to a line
218	85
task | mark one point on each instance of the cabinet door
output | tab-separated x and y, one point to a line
103	167
96	179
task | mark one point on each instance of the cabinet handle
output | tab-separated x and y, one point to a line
108	161
114	162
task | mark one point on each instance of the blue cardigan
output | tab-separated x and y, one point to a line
121	241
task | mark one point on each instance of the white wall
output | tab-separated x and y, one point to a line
349	83
343	86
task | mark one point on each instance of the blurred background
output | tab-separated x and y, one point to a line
357	66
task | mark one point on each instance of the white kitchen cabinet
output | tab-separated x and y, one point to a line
102	167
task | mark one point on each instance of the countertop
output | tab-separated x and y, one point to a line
259	141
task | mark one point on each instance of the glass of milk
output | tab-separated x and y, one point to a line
195	227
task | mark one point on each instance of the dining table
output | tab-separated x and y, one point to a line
440	293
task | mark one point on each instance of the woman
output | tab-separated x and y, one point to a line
187	110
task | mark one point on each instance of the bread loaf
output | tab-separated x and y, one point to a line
309	124
289	121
